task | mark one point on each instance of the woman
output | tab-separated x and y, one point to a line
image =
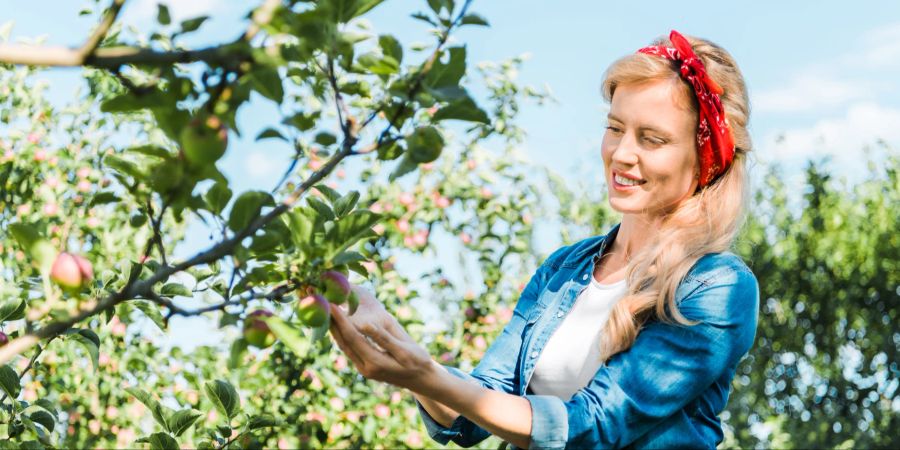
629	339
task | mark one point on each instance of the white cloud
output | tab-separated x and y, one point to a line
809	92
258	164
842	138
859	74
882	47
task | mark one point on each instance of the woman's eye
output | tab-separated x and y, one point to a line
654	141
613	129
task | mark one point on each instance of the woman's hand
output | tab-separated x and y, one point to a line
399	360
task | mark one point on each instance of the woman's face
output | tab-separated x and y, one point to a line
649	138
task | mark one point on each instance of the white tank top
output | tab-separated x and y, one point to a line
571	357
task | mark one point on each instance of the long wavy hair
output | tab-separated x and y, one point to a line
706	222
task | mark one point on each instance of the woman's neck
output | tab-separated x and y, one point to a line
634	233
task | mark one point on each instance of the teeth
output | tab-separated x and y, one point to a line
627	181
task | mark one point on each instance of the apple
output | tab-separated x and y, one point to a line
353	301
314	310
4	339
256	330
425	144
337	288
71	272
204	140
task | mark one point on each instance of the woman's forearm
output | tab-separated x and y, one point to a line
504	415
441	413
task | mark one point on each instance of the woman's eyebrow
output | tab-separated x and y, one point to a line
659	131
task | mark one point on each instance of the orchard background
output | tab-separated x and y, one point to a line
404	166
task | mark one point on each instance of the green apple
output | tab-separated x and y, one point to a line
337	288
313	310
256	330
204	140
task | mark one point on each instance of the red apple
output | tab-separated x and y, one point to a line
71	272
4	339
256	330
337	288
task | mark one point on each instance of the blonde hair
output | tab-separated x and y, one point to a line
706	222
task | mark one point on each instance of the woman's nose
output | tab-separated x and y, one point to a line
624	151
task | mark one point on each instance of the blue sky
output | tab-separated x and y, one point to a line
822	74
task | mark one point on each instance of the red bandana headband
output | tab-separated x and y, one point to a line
714	141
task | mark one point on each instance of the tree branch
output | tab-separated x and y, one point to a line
90	46
114	57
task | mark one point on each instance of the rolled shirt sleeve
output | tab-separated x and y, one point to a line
667	367
496	370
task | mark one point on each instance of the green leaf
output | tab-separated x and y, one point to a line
132	102
301	226
40	250
345	204
352	228
379	65
462	109
44	418
150	150
289	336
193	24
224	397
160	413
449	73
104	197
9	381
269	133
90	341
406	166
247	208
151	310
163	441
321	208
124	166
390	46
423	17
267	82
217	197
347	258
325	139
301	121
181	421
162	14
329	193
173	289
13	309
262	421
474	19
238	348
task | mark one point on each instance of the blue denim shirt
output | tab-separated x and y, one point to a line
666	391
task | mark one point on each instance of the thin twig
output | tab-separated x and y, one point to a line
417	83
30	364
90	46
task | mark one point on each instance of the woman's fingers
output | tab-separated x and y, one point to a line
385	339
342	344
355	340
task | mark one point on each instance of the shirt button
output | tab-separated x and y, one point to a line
560	314
534	354
585	277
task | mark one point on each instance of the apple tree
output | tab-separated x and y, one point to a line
96	194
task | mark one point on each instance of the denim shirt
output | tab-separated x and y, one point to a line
666	391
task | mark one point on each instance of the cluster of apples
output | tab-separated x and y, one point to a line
313	308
